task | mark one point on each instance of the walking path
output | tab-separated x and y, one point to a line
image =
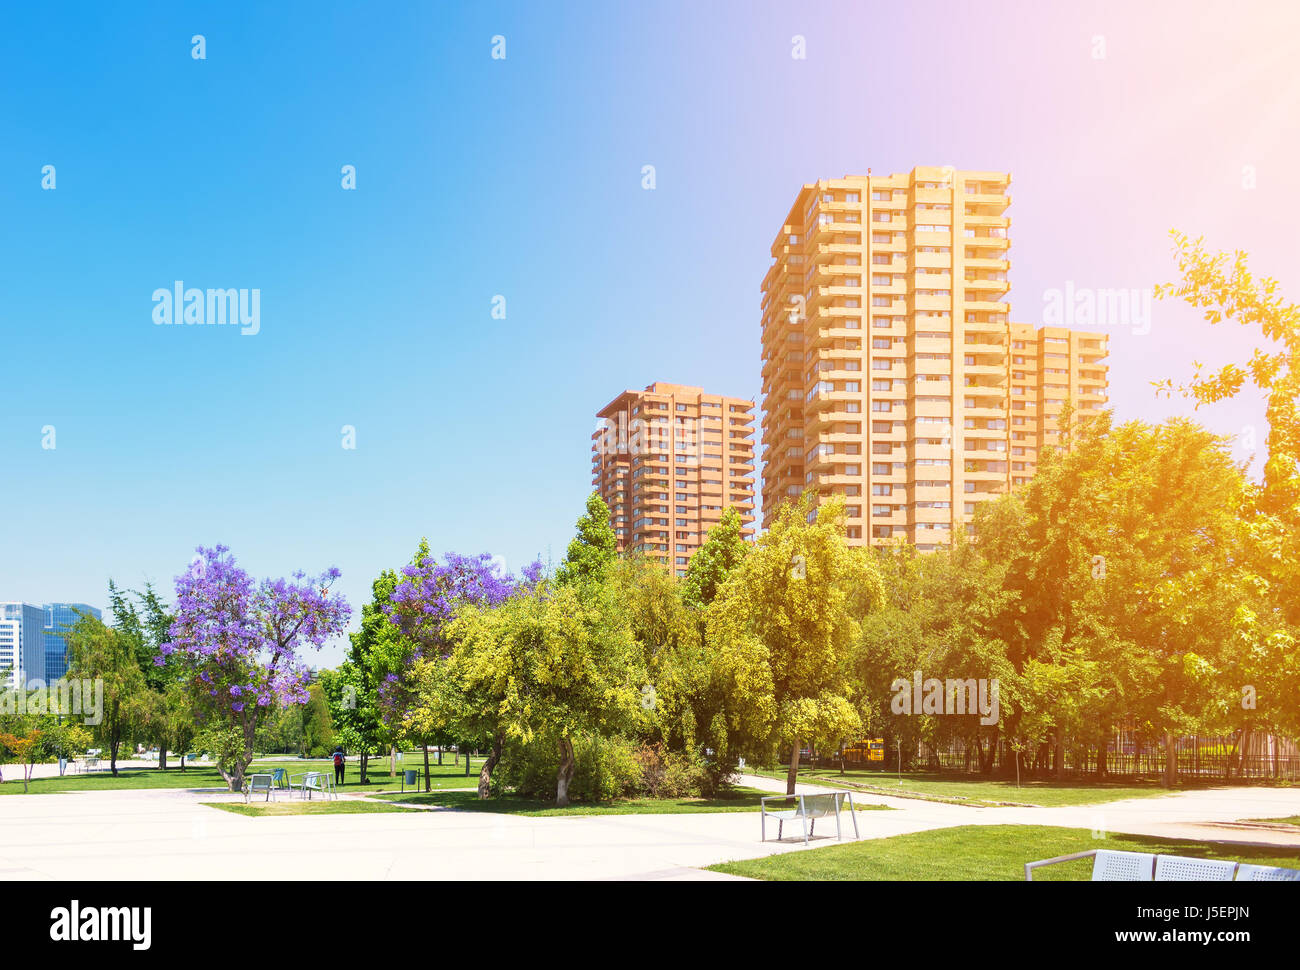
169	834
1211	814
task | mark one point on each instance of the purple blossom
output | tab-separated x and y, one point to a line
242	637
424	604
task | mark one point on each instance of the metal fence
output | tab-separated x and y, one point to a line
1254	756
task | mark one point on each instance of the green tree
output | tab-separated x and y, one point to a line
61	739
941	616
593	549
1126	558
1222	285
782	625
375	650
552	663
142	620
98	652
723	550
317	723
167	717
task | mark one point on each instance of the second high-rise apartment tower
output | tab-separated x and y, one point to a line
892	374
668	461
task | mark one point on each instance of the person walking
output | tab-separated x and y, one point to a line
338	766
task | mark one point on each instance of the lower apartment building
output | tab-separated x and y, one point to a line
667	461
893	376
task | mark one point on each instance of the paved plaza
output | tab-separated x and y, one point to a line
169	834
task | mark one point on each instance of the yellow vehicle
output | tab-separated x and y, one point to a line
866	750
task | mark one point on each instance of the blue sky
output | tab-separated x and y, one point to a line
522	177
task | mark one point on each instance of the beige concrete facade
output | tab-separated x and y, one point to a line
893	376
667	461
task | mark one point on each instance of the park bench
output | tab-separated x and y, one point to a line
808	809
1114	866
258	784
88	764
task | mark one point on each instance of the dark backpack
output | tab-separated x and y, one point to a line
338	760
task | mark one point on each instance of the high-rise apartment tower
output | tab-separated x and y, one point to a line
892	373
667	461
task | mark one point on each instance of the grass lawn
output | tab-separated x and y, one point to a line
1289	820
734	800
981	852
447	776
262	809
976	790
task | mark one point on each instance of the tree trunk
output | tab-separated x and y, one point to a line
426	757
568	763
236	778
112	754
793	773
1171	762
466	764
162	756
426	765
485	775
1059	755
392	760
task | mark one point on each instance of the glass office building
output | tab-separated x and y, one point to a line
59	619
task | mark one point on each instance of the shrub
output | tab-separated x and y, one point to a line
670	774
609	768
606	769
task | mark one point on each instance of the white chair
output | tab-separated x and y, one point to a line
1114	866
314	781
259	783
1172	868
1250	873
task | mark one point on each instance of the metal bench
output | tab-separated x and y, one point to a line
807	808
258	784
313	782
1251	873
1113	866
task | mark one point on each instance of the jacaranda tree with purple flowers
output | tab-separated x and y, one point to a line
238	641
428	599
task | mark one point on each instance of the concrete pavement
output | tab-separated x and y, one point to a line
168	834
1209	814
